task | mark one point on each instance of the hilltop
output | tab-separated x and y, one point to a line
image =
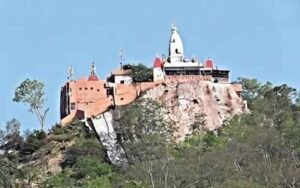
255	149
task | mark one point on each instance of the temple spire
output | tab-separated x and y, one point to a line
93	69
176	54
93	76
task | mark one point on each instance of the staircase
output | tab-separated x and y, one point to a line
103	127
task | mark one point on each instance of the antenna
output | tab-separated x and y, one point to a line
70	73
121	57
93	69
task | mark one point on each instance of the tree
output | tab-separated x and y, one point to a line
31	92
146	135
10	137
140	73
145	131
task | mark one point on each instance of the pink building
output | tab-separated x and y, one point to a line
90	97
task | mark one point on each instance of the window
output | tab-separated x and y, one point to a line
86	88
91	88
98	90
73	106
80	89
122	99
122	82
176	51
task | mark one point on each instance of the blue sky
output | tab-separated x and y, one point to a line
39	39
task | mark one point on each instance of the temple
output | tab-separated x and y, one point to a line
177	66
90	97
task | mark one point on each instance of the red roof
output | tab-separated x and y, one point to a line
157	63
209	63
93	78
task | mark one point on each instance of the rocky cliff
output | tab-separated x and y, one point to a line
215	102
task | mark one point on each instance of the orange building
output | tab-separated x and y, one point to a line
90	97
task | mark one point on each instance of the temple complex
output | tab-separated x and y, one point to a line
90	97
178	67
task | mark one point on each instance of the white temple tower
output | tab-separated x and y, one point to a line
175	47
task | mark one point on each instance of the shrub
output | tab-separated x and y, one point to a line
99	182
84	148
58	129
35	138
89	167
61	180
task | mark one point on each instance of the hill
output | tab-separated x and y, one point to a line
255	149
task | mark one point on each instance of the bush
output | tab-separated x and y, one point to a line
33	141
99	182
87	147
61	180
58	129
89	167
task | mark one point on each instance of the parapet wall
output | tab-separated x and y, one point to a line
188	78
194	78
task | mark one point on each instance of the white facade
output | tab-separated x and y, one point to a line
176	52
175	47
158	74
123	79
183	64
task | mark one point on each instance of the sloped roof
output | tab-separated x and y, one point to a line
209	63
93	77
157	63
121	72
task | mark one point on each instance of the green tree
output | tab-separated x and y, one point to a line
35	139
10	137
31	92
145	131
140	73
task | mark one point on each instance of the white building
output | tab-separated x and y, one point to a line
177	64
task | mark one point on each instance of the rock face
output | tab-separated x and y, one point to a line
184	101
54	164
